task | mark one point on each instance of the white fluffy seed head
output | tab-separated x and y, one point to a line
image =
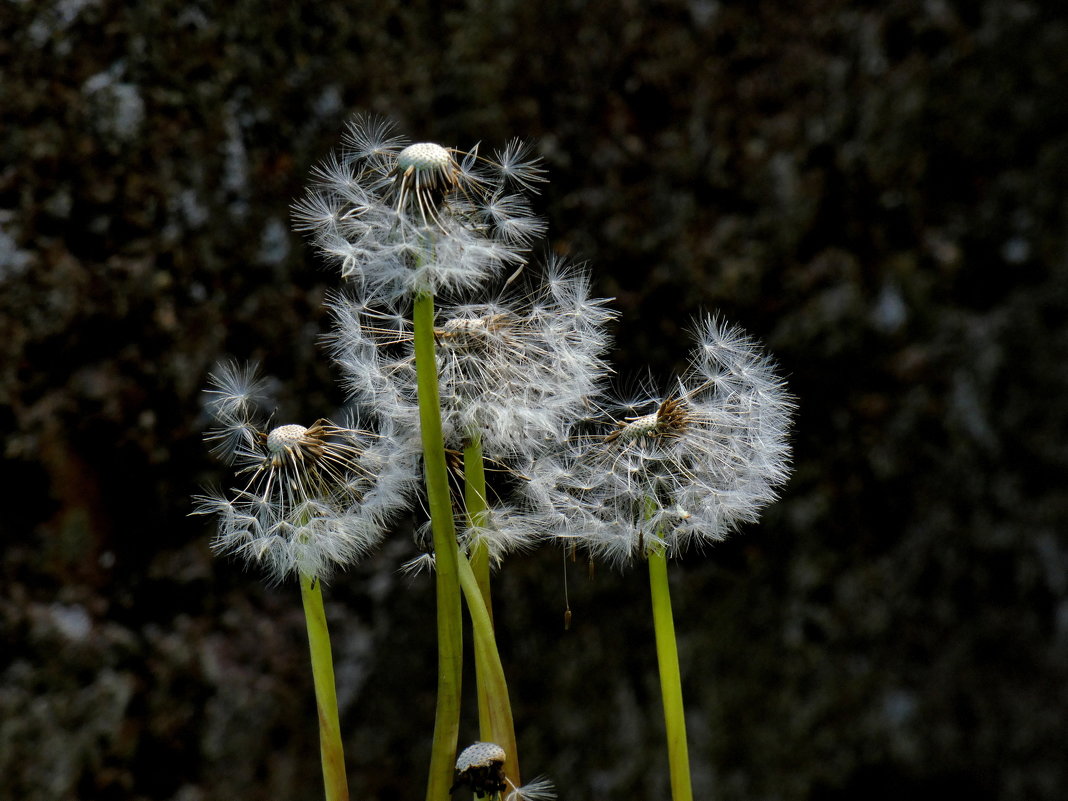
479	755
309	500
423	157
514	368
710	458
374	208
285	437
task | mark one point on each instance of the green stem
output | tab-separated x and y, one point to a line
333	756
477	511
449	612
667	657
499	727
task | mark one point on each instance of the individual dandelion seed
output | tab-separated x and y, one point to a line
540	789
311	499
404	218
518	166
234	391
685	467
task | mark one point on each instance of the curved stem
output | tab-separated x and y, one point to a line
667	657
333	756
449	613
476	508
499	727
477	512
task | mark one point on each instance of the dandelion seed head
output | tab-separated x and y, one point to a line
711	454
514	367
479	755
402	218
640	426
310	499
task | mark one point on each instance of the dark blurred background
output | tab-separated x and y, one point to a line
876	190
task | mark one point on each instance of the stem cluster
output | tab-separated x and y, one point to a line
511	379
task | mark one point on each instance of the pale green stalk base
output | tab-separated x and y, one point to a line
667	657
496	716
476	507
333	756
449	612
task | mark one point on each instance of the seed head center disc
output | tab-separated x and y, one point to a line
479	755
285	437
640	426
423	157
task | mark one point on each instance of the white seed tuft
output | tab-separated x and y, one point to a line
313	499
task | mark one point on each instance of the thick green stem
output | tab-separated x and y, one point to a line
667	656
449	613
477	511
498	725
333	756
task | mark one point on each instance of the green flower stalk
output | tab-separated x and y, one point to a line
494	706
667	657
332	752
495	709
446	555
476	507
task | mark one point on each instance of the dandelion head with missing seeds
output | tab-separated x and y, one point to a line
400	218
679	468
309	499
513	367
